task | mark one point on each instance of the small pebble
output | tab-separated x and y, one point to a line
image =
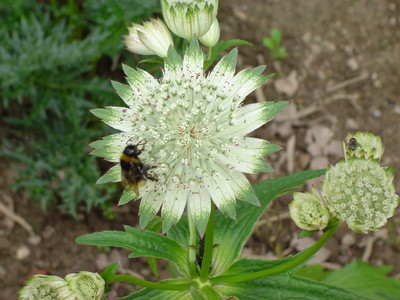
376	113
34	240
22	252
348	240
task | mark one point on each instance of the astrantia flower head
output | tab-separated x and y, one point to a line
308	211
194	127
153	37
189	18
81	286
364	145
361	193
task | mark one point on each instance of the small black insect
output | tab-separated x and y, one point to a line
353	144
133	171
200	252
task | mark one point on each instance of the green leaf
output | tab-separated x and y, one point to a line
141	243
315	272
197	294
366	280
268	43
109	271
248	265
147	293
154	226
282	52
221	46
285	286
276	36
180	232
231	235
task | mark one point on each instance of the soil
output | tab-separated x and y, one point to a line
341	75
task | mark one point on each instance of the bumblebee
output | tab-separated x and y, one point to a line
133	171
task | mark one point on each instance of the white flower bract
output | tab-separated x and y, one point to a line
194	127
211	38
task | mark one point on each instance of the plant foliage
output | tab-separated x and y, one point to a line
54	61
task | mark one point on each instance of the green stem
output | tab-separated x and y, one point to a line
192	245
303	257
208	247
148	284
209	53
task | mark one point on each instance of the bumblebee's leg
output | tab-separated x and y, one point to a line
140	144
145	169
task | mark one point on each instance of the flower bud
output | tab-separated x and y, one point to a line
86	284
361	193
189	18
81	286
41	287
308	211
363	145
211	38
151	38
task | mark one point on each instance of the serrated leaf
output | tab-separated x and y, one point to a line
285	286
141	243
366	280
248	265
231	236
221	46
147	293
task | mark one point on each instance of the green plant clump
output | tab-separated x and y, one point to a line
54	61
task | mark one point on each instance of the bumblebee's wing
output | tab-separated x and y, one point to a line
128	180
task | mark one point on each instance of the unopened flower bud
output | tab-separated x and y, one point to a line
81	286
308	211
363	145
86	284
189	18
361	193
151	38
211	38
41	287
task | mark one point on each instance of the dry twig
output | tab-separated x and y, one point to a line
13	216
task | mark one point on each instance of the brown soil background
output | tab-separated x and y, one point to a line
342	74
